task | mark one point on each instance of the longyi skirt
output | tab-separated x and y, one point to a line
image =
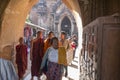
54	71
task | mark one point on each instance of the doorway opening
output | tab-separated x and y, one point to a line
51	16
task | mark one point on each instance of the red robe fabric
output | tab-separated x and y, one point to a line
21	59
37	55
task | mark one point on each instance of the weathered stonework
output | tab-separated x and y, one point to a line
101	39
13	16
92	9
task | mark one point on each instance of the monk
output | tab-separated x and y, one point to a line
47	42
37	52
21	58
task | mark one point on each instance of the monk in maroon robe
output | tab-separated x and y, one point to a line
37	52
21	58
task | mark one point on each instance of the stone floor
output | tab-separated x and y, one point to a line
73	70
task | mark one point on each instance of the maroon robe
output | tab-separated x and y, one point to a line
37	55
21	59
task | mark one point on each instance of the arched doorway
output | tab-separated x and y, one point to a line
15	17
66	25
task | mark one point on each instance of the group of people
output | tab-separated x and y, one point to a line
43	56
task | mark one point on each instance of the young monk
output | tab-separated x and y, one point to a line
21	58
47	44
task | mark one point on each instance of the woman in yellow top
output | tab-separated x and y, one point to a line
64	43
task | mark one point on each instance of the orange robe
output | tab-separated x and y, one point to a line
21	59
37	55
47	44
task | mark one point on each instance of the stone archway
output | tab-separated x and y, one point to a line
15	16
66	25
63	16
12	25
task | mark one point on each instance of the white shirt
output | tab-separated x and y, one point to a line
53	55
